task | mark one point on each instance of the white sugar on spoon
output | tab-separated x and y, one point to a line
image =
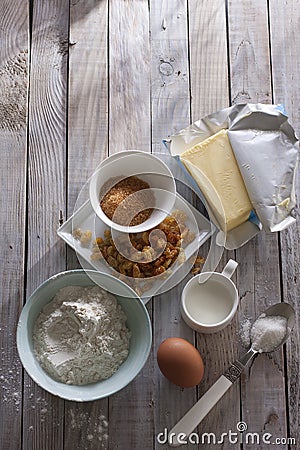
268	332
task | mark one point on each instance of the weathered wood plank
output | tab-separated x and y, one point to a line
130	128
169	70
285	44
208	57
209	92
249	55
88	93
170	401
262	388
259	274
87	146
129	76
87	100
43	413
134	410
170	112
14	36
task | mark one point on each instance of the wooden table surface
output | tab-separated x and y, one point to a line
81	80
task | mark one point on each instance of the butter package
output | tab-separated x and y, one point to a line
243	160
213	166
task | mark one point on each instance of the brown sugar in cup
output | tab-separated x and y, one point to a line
123	210
149	169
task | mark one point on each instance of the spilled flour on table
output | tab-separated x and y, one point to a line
93	430
244	333
10	374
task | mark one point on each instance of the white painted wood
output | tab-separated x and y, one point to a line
285	44
87	146
170	90
43	413
129	128
249	52
138	71
170	113
209	93
129	76
208	57
88	93
13	129
259	275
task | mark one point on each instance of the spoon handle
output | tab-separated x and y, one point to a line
196	414
236	368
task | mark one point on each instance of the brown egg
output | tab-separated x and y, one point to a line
180	362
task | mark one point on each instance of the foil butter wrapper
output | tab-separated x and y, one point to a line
266	150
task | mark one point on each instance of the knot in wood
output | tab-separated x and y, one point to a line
166	68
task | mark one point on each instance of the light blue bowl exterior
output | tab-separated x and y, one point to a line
138	322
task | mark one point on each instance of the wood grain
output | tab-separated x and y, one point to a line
259	275
43	413
87	100
285	44
208	57
262	390
209	92
249	52
129	76
88	93
14	38
170	90
170	113
87	146
109	75
129	128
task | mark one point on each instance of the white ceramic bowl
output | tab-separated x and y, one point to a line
138	322
145	166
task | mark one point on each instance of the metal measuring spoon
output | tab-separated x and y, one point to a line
196	414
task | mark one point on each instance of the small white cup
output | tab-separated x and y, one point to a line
210	300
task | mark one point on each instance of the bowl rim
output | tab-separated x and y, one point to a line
93	198
23	347
215	326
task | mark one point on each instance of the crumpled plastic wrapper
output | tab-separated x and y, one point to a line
266	149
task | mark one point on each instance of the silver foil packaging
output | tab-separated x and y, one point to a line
266	150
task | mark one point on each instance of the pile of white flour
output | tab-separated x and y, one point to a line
80	337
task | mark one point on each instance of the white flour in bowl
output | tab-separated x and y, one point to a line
80	337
